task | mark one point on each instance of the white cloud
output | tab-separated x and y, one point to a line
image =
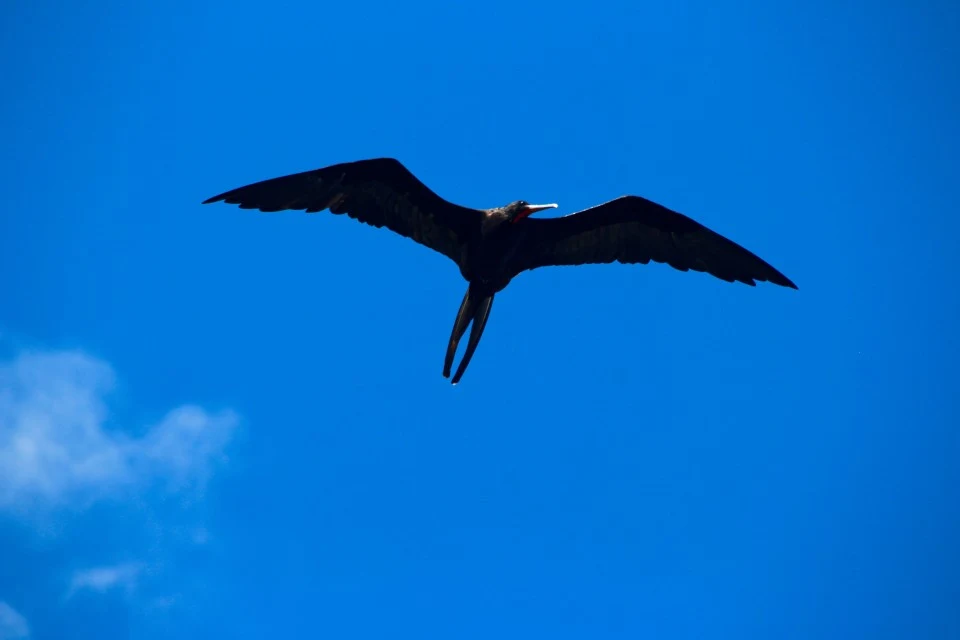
57	448
103	579
13	626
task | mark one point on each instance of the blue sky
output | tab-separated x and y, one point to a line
219	423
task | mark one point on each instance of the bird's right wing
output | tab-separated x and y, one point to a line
379	192
632	229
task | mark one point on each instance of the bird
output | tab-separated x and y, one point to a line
493	246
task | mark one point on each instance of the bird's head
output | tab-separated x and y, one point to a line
517	211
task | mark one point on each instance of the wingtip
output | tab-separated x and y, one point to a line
787	282
778	278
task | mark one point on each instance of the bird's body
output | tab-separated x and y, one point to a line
489	252
492	246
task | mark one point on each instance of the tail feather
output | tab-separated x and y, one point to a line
475	308
479	323
464	315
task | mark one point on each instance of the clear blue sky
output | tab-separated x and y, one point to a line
218	423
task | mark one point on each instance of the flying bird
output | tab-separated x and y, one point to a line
493	246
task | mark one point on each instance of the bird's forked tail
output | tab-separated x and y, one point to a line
476	308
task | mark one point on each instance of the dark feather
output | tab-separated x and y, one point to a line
379	192
632	229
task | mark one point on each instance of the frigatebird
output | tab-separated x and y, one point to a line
492	246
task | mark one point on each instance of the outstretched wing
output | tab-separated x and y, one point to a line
632	229
379	192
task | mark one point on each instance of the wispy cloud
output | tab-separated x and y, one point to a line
58	449
13	626
103	579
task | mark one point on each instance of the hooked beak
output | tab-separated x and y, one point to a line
532	208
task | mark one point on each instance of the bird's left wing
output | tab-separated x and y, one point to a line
380	192
632	229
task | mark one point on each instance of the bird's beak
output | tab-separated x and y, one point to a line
533	208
